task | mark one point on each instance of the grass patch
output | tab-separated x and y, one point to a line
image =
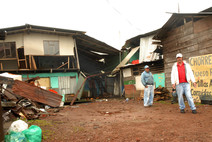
40	123
164	102
199	104
46	134
45	125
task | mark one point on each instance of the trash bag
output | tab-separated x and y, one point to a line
18	126
15	137
33	134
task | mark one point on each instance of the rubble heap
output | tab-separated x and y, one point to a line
24	99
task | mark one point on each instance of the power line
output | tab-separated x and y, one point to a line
126	19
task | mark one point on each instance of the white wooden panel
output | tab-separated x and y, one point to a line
66	45
146	49
127	72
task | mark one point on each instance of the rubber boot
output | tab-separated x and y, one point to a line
174	99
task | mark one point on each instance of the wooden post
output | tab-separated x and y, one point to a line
1	66
68	62
30	62
25	62
33	63
17	58
1	124
72	61
75	46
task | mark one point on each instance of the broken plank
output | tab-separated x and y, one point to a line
62	65
33	63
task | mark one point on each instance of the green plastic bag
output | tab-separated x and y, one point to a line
15	137
33	134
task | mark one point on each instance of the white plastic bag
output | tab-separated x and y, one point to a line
18	126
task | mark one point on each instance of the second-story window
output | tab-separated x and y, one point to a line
51	47
7	50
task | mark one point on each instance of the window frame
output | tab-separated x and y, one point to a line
49	42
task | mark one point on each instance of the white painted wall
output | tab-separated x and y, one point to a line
66	45
138	84
33	43
17	38
146	47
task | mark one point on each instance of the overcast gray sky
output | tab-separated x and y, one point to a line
111	21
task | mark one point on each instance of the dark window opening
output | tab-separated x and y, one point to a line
7	50
53	62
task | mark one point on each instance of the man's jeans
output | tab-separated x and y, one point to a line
148	95
184	88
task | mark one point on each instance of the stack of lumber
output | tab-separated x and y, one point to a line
161	93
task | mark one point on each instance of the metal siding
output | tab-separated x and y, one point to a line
67	85
110	85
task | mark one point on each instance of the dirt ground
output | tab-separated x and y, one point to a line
118	121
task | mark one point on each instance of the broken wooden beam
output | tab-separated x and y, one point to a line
62	65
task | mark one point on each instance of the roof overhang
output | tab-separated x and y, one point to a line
94	46
33	28
178	19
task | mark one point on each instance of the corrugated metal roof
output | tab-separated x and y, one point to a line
29	28
135	41
88	43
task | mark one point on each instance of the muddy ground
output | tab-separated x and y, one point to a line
117	121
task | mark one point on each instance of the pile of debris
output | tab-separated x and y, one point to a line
24	99
161	93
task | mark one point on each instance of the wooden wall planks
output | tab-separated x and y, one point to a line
191	39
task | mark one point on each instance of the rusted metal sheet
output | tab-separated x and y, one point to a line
36	93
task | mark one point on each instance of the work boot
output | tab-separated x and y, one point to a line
194	111
183	111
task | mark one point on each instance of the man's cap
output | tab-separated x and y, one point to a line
179	55
146	66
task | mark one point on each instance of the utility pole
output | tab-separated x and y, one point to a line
178	7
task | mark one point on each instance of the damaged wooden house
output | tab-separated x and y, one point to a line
60	58
136	53
191	35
